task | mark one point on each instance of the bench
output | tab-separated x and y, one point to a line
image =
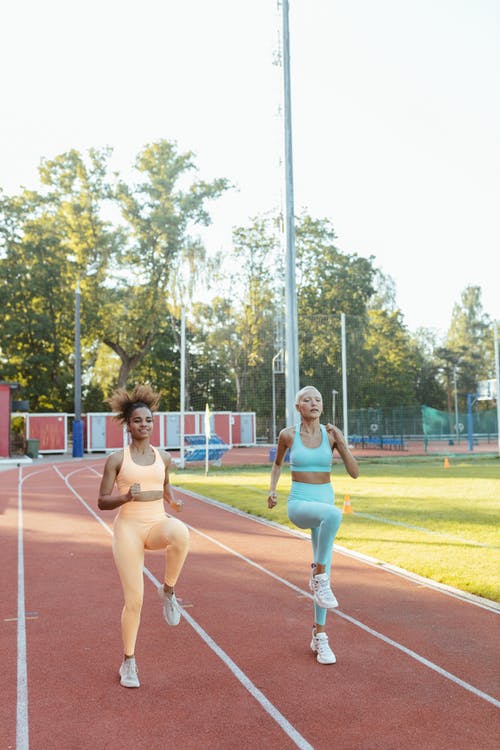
373	441
197	448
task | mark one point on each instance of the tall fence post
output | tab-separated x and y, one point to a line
470	430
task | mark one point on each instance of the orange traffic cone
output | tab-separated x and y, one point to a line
446	463
347	508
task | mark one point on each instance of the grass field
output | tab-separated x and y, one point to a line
442	523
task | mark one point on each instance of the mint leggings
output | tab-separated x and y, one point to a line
311	506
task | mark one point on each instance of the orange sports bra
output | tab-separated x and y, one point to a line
150	477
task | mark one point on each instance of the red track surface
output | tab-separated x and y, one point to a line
416	669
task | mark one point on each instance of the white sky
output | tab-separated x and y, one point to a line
395	104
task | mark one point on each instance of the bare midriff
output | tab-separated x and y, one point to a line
311	477
149	496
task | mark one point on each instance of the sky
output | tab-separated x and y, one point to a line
395	118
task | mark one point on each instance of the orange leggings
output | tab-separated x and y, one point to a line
139	527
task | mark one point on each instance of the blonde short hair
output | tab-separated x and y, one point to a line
303	390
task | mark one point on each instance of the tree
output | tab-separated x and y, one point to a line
329	280
394	366
428	388
77	193
159	215
215	354
384	297
36	297
54	238
469	343
329	283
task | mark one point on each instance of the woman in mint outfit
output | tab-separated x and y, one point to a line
311	502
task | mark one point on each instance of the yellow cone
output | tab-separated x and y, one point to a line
446	463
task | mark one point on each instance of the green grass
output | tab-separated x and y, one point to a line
440	523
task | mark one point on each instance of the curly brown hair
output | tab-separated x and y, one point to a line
124	403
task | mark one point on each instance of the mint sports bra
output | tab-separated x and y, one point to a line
303	458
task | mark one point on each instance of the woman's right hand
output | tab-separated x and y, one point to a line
272	500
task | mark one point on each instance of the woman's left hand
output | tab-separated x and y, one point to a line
337	435
177	505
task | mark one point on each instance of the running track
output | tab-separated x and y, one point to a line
417	668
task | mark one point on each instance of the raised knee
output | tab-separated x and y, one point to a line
182	535
334	515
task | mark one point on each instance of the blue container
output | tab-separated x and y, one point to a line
77	439
272	455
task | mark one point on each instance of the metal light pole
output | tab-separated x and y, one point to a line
77	421
291	318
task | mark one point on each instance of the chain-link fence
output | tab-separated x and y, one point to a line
379	386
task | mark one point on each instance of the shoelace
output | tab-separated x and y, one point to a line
322	646
323	588
130	669
172	601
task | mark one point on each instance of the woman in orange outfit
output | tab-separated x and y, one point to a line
141	474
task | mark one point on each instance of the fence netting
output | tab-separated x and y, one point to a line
244	372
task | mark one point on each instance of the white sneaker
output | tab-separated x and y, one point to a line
128	673
320	647
322	593
171	609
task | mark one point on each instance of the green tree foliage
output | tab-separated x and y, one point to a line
244	335
214	354
36	298
133	248
330	282
428	388
256	252
391	362
232	341
160	212
77	194
469	344
124	244
160	366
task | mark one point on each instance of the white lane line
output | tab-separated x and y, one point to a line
352	620
22	724
423	660
254	691
463	596
409	652
22	728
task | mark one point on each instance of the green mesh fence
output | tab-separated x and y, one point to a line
399	421
243	372
436	424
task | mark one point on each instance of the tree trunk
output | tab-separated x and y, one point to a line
128	362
